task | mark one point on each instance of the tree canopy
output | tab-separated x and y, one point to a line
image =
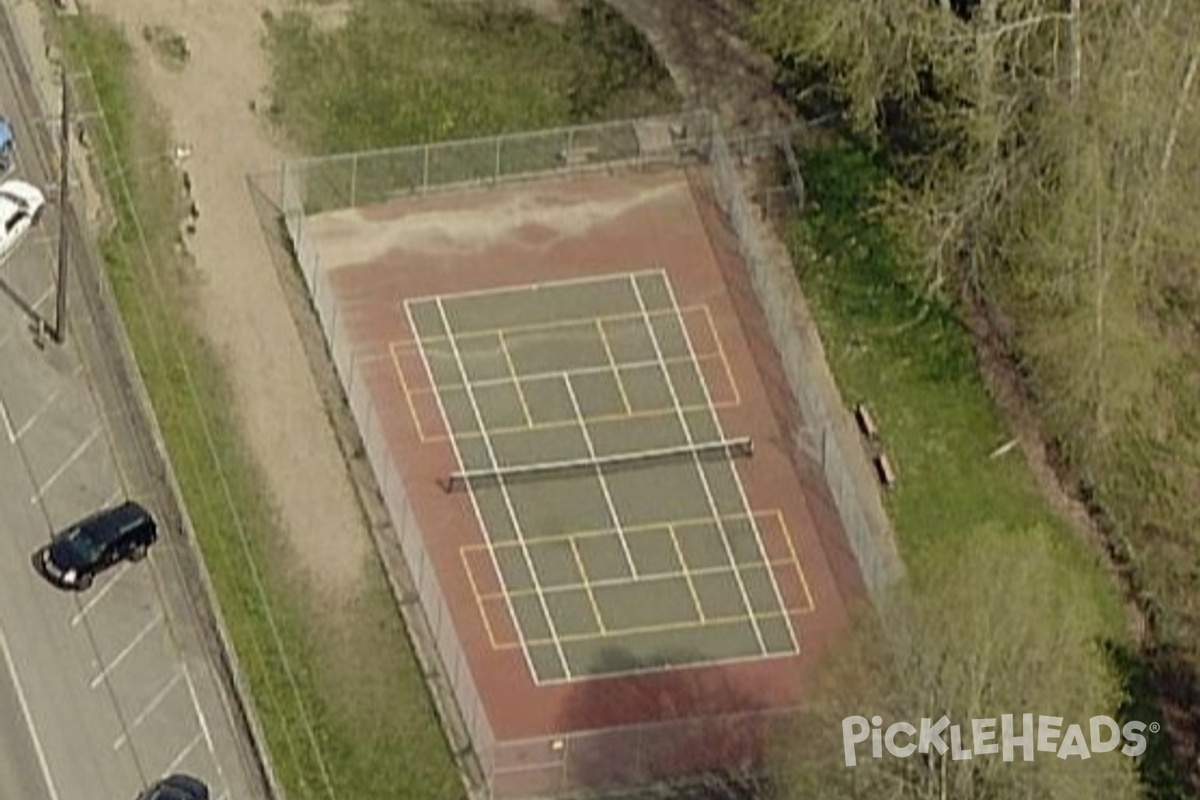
1010	643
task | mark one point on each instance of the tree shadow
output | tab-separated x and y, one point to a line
1161	686
692	745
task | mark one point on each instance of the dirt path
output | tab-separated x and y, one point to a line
243	310
704	45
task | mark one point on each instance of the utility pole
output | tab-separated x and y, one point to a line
60	305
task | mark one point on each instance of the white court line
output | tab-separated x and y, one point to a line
142	634
608	498
75	620
184	753
672	667
71	459
8	428
33	734
737	478
458	459
708	494
153	704
530	288
688	574
508	502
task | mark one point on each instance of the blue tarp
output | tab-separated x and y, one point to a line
6	140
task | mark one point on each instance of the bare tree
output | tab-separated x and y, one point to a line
995	632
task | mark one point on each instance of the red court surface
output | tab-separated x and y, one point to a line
568	229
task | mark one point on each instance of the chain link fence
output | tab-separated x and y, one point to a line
629	755
324	183
830	431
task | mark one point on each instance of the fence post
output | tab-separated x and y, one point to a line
354	180
283	191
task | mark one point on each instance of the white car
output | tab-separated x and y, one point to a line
21	207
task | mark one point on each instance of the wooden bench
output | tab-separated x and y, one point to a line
885	471
866	423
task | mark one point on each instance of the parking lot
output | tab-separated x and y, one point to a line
111	688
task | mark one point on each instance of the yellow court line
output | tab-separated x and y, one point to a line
512	370
675	311
812	605
687	573
613	363
557	375
737	395
588	586
408	396
480	599
665	627
616	583
642	528
501	596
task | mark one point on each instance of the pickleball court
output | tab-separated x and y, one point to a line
575	415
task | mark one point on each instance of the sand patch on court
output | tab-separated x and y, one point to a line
531	217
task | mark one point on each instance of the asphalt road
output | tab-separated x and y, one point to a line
103	692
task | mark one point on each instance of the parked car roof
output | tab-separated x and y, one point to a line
105	526
19	195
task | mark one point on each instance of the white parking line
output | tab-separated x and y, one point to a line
63	468
75	620
182	754
8	428
29	423
33	734
153	704
114	497
199	711
96	681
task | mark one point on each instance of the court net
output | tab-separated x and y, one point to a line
720	448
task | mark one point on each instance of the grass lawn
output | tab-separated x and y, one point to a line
417	71
912	360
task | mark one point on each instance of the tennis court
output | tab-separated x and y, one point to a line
626	559
583	419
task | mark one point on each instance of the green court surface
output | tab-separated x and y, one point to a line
609	562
